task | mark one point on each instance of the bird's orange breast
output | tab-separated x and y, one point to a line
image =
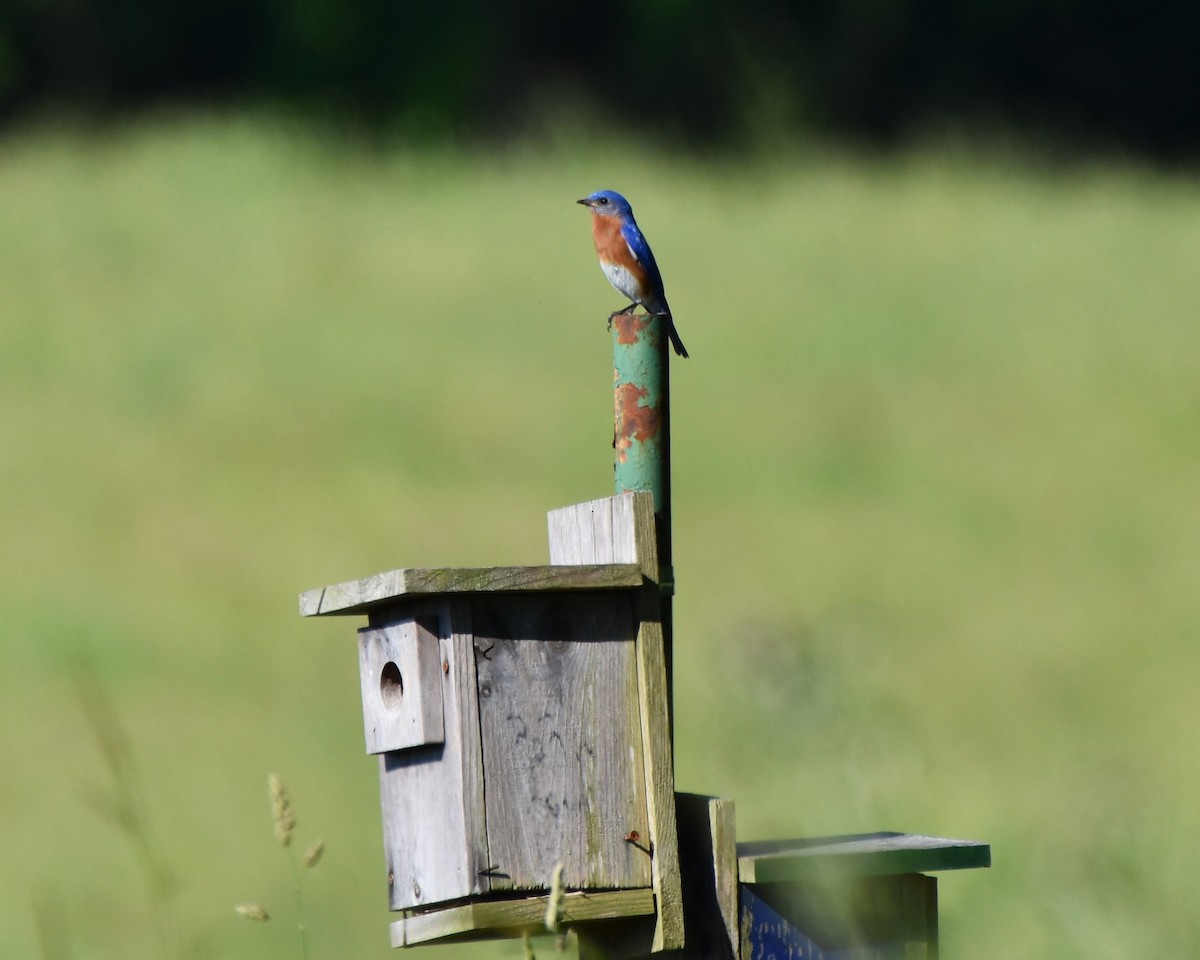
610	245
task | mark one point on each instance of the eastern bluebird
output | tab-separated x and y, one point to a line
626	258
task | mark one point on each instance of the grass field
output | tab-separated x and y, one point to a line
937	506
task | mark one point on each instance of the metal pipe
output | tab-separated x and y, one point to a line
642	438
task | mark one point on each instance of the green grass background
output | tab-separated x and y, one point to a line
937	504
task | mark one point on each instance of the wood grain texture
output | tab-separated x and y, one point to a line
599	531
485	920
660	786
562	744
383	589
708	864
723	830
604	531
400	674
432	797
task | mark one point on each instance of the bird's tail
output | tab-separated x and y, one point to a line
675	341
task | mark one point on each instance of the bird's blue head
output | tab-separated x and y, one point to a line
608	203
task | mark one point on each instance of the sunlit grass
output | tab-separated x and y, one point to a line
937	533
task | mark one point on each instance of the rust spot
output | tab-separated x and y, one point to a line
632	838
633	421
630	326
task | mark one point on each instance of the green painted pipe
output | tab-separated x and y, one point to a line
642	408
642	440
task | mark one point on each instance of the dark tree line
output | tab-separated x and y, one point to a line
1110	72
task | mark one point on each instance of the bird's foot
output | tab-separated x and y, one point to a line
620	313
623	312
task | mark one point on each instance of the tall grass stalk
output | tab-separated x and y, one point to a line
283	820
122	802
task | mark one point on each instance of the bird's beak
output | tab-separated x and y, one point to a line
585	201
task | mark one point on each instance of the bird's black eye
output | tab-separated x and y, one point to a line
602	200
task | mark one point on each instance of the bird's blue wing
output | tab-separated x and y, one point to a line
645	256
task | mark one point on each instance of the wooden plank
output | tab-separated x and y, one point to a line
487	920
400	673
867	854
431	798
466	687
655	696
660	786
724	844
606	531
360	596
920	922
562	744
599	531
708	867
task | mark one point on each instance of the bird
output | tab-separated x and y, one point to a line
626	258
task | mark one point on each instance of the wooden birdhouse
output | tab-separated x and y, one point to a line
521	720
519	715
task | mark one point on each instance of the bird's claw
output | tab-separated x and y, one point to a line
620	313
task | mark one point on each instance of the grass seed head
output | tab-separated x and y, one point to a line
313	854
554	902
281	811
252	911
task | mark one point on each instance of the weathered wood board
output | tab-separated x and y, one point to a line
562	744
506	918
400	673
432	797
620	530
708	865
383	589
599	531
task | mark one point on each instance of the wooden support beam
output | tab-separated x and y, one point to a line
708	866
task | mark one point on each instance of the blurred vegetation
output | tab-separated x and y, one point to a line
1099	72
937	535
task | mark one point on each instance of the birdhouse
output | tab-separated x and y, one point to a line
520	716
519	719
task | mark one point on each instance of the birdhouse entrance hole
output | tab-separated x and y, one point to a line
391	686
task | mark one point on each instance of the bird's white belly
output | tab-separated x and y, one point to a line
622	279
